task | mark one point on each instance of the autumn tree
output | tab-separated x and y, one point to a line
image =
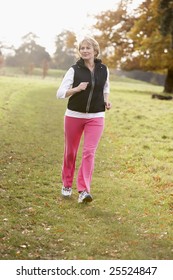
65	54
112	27
166	28
140	39
166	10
146	38
152	42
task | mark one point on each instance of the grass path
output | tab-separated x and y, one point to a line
131	215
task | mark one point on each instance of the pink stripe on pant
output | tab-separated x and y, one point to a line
74	128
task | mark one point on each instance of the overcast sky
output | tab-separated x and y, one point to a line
47	18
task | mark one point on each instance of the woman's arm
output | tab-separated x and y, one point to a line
65	89
66	84
106	91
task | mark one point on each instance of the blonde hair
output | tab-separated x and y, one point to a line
91	41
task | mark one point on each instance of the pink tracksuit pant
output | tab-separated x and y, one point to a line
74	128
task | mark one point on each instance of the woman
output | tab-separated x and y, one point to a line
87	85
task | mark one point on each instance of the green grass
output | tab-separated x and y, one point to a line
131	214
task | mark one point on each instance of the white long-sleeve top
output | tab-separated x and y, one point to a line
67	83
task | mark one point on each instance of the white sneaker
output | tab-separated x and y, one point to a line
84	197
66	191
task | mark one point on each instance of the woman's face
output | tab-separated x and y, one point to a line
87	51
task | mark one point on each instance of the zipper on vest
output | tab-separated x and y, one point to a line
91	92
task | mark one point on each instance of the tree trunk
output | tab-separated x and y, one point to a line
168	87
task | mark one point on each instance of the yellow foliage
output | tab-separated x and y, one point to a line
135	39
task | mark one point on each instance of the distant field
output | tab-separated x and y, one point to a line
37	72
131	214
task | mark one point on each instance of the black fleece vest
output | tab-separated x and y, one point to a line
90	100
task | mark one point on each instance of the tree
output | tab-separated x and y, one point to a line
65	54
113	26
4	50
29	54
1	59
152	38
146	38
166	10
137	38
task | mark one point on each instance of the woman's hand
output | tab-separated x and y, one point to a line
108	105
82	86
